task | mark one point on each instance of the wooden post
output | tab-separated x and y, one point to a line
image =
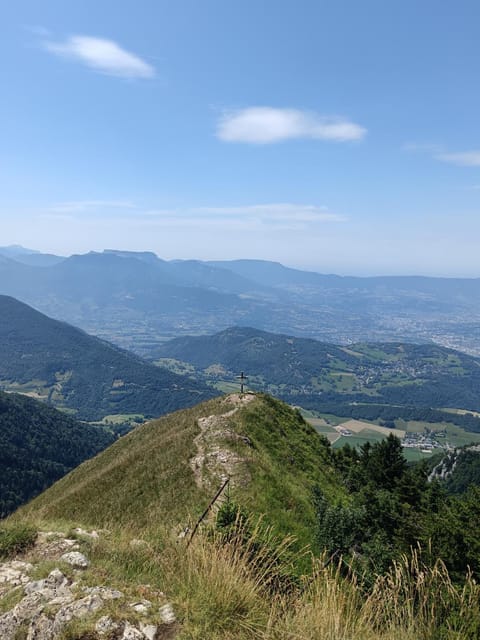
204	514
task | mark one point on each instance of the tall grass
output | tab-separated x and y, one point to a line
422	599
243	586
15	538
226	582
412	602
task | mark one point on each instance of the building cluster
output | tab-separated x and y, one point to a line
426	440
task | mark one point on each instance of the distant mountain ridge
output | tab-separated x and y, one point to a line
73	370
137	300
30	256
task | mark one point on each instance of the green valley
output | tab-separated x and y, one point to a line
400	386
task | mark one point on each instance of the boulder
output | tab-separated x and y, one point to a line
75	559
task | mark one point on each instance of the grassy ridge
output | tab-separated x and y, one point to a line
240	583
145	478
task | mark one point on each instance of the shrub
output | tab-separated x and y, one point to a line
15	538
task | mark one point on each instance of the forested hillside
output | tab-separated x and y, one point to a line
393	508
71	369
369	381
457	470
39	445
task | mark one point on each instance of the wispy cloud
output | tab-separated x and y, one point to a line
266	125
278	216
420	147
462	158
277	211
438	152
89	206
274	216
102	55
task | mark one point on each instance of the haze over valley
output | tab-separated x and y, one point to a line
240	320
137	300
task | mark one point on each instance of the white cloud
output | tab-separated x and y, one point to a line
265	125
105	56
463	158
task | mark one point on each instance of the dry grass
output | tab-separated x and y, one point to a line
242	586
412	602
424	601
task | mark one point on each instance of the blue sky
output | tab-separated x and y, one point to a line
340	136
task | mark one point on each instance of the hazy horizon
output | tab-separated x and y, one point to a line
261	259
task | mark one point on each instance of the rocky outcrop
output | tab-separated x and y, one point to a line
43	609
216	459
447	465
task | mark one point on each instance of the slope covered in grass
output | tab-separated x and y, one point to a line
242	582
166	471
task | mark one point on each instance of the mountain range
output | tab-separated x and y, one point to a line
136	300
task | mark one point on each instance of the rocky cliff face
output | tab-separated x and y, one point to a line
446	467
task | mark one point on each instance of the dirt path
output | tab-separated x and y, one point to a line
214	461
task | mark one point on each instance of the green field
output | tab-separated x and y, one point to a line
325	423
122	418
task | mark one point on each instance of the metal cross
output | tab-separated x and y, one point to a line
242	377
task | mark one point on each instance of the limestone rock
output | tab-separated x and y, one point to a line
142	606
106	625
106	593
30	606
87	534
52	587
132	633
13	574
78	609
167	614
41	628
75	559
52	544
148	630
8	626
